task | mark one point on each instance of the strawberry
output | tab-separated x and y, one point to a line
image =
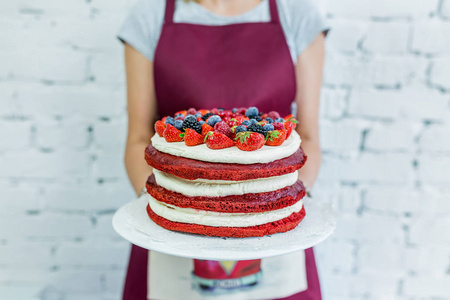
249	141
183	112
233	122
206	128
159	127
171	134
223	128
288	117
192	138
203	111
289	127
217	140
276	137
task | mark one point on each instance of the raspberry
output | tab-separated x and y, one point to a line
277	126
223	128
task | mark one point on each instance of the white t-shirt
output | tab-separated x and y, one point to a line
301	21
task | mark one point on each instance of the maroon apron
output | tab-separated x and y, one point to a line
225	66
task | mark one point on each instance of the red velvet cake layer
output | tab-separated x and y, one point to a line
194	169
282	225
247	203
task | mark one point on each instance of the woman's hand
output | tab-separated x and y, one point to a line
309	71
141	106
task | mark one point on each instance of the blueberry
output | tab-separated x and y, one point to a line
240	128
213	120
201	122
268	127
234	110
178	124
170	120
269	120
190	117
279	120
246	123
251	111
179	115
253	121
198	115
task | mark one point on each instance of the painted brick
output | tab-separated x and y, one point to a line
345	35
430	230
427	260
440	73
18	199
33	164
110	165
25	254
15	135
427	287
71	133
445	9
400	104
392	137
93	255
393	199
337	256
333	103
374	259
381	9
111	135
387	38
434	169
431	37
71	100
343	135
435	139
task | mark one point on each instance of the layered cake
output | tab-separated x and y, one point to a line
226	173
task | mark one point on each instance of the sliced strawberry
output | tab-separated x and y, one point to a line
159	128
289	127
249	141
223	128
217	140
171	134
276	137
206	128
192	138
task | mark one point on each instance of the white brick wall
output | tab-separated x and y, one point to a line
385	131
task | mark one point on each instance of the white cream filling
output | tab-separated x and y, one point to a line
218	219
229	155
219	188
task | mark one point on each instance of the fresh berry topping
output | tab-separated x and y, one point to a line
246	123
191	122
268	127
178	124
249	141
273	115
191	111
206	116
277	126
276	137
171	134
252	112
217	140
269	120
223	127
206	128
170	120
213	120
159	128
202	122
253	121
240	128
192	138
279	120
289	127
257	128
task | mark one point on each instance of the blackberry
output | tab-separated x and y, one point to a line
257	128
192	123
206	116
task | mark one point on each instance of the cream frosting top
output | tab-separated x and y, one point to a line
229	155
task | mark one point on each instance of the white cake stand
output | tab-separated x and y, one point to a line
133	224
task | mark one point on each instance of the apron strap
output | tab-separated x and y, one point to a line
273	12
170	8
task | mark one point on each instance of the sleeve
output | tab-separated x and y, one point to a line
306	21
143	25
